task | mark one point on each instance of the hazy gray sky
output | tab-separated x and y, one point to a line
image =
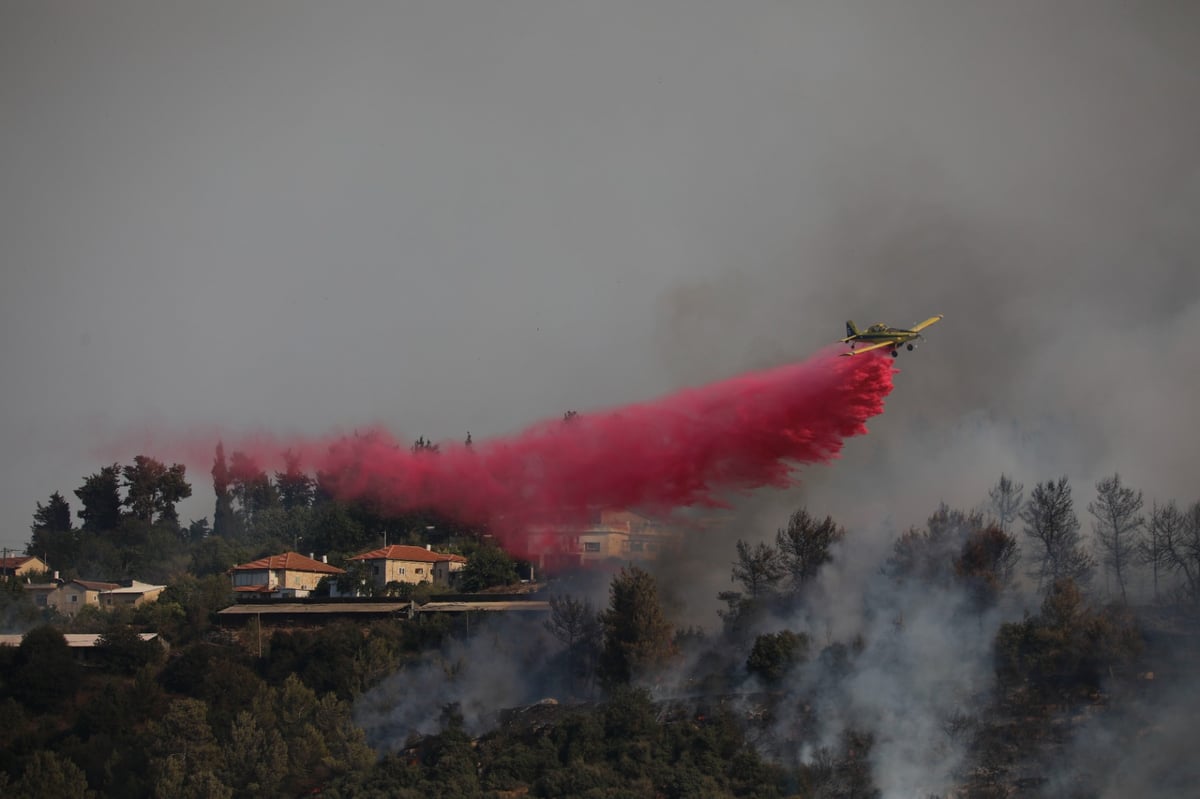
450	216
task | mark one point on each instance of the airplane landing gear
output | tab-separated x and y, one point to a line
910	348
895	353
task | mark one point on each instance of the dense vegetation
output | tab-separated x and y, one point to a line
769	703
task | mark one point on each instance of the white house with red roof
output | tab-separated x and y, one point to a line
288	575
401	563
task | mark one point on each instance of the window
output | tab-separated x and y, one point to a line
420	570
74	597
636	546
375	570
400	570
591	546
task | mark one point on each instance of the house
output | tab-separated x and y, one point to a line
610	536
136	593
410	564
69	597
288	575
20	565
40	592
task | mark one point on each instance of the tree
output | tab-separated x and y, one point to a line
1068	646
1181	544
296	489
421	446
1050	521
759	569
575	624
927	555
54	516
154	488
52	537
986	564
255	757
637	636
184	734
123	651
43	664
1153	546
489	566
775	654
101	499
1117	510
356	580
51	776
225	521
1005	500
251	487
804	547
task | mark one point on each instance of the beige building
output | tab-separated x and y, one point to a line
288	575
20	565
69	597
40	592
136	593
409	564
612	536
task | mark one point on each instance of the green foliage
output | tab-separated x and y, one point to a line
101	499
805	546
296	489
199	599
1068	647
775	654
42	667
50	776
759	569
122	651
637	636
53	538
154	488
255	756
927	555
576	625
985	564
488	566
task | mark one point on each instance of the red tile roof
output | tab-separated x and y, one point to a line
291	561
15	562
409	553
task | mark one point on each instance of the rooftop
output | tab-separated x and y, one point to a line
409	553
74	640
291	561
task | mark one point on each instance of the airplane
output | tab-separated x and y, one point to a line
880	335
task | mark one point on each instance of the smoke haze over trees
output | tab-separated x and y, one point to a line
223	220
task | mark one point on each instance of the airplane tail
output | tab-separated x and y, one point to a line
851	329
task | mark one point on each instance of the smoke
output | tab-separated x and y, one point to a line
502	664
924	663
691	448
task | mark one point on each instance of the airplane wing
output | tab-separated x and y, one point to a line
872	347
918	328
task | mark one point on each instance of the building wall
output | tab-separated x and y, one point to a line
299	580
69	598
113	599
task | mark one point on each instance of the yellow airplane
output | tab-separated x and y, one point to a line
880	335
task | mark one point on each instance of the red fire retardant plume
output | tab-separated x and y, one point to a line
685	449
